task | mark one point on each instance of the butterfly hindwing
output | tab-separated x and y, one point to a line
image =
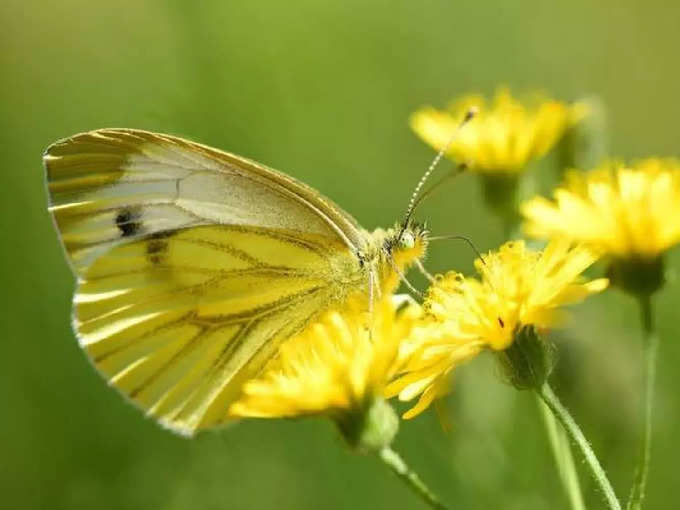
178	322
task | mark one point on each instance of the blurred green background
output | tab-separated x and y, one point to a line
323	91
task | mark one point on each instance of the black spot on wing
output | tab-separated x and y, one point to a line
157	246
128	222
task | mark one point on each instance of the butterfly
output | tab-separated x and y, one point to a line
193	265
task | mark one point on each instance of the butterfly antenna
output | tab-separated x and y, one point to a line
477	253
413	202
474	248
460	238
434	187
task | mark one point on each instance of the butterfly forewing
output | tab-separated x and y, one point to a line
115	185
193	265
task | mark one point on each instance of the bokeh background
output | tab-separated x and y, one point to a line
321	90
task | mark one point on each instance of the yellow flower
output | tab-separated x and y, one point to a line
504	136
429	358
518	288
627	212
339	365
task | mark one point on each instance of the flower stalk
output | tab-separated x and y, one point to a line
372	431
564	459
526	364
397	465
501	196
651	343
574	432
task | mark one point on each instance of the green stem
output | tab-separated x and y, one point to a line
651	343
501	192
574	432
559	443
394	461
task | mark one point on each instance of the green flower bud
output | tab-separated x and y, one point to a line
372	429
637	276
527	363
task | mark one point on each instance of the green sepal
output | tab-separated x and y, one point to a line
371	428
529	360
637	276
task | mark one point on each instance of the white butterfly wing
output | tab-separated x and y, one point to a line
114	185
193	265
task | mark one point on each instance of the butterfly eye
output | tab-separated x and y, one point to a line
407	241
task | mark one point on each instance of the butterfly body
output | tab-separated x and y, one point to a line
193	265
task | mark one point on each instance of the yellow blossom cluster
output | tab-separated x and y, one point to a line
349	358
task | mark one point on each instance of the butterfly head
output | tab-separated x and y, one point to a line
406	243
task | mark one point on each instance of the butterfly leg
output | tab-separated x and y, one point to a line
424	271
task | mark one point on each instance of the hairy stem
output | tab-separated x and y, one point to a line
574	432
651	343
564	460
394	461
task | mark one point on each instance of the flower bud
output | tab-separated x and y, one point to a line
637	276
372	429
528	361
